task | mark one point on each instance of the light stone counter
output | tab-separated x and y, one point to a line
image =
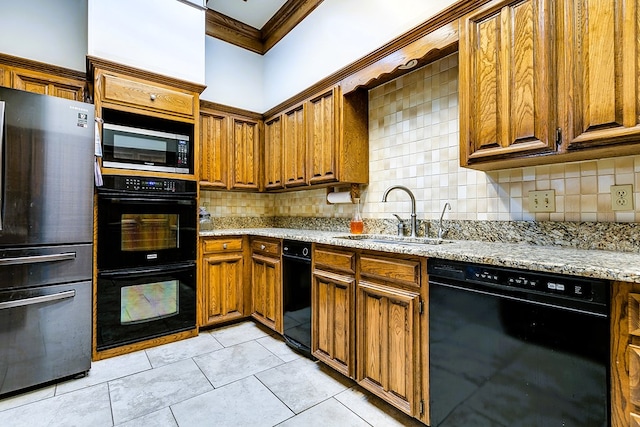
620	266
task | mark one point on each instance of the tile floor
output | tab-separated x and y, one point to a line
238	375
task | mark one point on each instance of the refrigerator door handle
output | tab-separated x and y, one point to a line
34	259
37	300
2	108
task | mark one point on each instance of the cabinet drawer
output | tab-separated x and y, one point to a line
401	271
222	245
137	94
334	260
271	247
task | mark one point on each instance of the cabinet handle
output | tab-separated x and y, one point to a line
263	247
224	246
153	96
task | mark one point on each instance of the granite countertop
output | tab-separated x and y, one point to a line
609	265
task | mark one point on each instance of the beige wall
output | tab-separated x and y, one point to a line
413	141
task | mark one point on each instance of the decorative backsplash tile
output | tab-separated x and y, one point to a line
414	141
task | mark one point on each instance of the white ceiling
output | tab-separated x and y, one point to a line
251	12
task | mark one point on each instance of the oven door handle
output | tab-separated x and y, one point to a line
37	300
135	272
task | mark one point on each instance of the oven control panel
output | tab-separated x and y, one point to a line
147	185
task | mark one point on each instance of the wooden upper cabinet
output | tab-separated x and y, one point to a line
131	92
294	144
602	67
214	140
507	73
273	154
321	136
245	154
46	84
4	77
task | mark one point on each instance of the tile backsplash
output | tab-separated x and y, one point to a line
414	140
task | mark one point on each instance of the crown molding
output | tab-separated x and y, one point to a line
232	31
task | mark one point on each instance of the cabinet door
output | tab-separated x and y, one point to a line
602	62
266	291
273	154
214	140
45	84
295	148
4	77
223	294
332	340
245	154
507	75
322	138
388	352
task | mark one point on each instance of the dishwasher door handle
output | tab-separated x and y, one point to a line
37	300
34	259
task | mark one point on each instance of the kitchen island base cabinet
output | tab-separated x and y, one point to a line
223	296
266	283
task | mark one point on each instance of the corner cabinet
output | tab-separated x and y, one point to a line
231	148
266	282
333	308
392	340
222	293
507	75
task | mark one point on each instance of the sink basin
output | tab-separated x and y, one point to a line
395	240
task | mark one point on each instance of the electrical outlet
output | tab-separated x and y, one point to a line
622	197
542	201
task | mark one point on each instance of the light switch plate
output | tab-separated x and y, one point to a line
622	197
542	201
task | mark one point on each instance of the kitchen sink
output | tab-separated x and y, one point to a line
395	240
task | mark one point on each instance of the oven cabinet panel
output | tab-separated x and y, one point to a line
333	308
266	283
222	291
392	342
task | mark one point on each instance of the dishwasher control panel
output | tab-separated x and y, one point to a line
521	281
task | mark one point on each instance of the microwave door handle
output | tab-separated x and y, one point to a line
2	132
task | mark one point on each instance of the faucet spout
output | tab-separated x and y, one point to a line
414	221
441	230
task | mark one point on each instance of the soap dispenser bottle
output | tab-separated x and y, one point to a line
356	225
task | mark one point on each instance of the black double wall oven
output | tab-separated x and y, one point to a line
147	241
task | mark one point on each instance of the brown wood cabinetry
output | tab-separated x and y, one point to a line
222	293
231	150
625	354
602	55
333	308
266	282
214	146
506	81
45	79
392	332
322	127
294	147
245	154
548	82
273	170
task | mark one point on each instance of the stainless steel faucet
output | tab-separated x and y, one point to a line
414	226
441	230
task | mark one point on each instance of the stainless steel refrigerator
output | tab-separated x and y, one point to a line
46	234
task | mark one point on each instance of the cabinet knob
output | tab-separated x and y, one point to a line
263	247
153	96
224	246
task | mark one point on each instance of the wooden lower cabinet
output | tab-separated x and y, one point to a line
266	283
223	295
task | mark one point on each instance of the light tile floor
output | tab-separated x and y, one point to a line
238	375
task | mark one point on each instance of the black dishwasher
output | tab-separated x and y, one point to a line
296	281
511	347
